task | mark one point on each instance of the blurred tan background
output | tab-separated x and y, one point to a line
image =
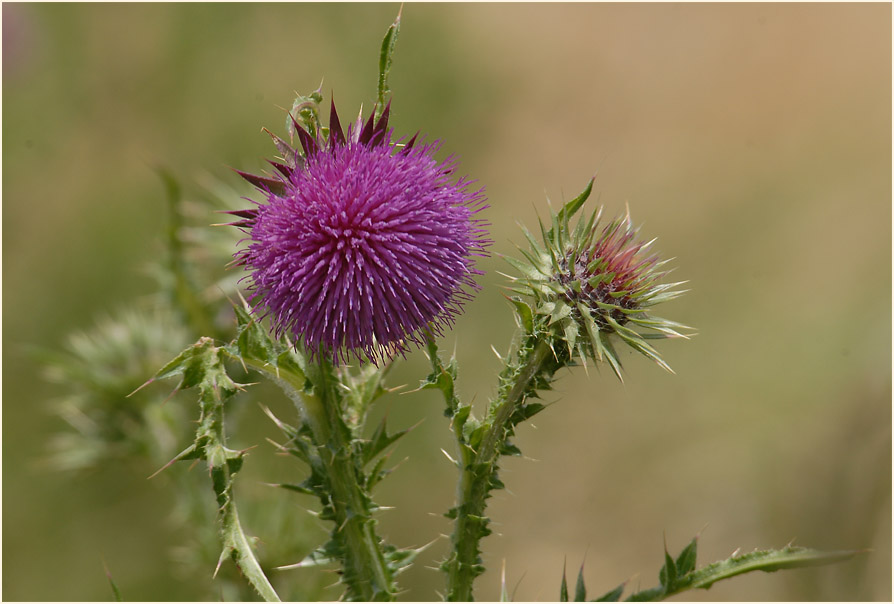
753	140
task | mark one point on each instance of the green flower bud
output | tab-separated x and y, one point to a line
593	285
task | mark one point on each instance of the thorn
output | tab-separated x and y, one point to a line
282	449
146	383
291	566
503	582
170	463
422	548
105	568
275	419
583	357
220	560
453	461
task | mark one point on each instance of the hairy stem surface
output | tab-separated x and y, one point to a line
478	467
364	559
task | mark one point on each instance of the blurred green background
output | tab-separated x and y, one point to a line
754	140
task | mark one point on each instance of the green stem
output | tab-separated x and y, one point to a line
365	570
478	473
504	407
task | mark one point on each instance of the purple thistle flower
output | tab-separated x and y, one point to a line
362	244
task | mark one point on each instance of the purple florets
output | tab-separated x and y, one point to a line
362	244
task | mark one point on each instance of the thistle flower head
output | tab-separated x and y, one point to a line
361	243
593	282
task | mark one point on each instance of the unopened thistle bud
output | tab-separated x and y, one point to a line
362	243
594	284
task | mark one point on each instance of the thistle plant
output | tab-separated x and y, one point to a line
361	246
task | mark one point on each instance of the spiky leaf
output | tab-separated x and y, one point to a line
388	43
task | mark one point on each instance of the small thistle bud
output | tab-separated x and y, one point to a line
593	284
362	243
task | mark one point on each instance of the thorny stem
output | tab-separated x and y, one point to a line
478	470
366	573
503	408
363	559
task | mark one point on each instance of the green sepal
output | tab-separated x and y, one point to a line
611	355
570	332
612	596
563	589
560	311
580	589
546	308
528	270
525	314
571	208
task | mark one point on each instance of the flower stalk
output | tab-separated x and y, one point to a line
480	449
584	286
364	559
332	404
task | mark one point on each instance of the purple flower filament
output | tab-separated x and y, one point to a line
365	245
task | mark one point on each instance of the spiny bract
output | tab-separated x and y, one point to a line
589	283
